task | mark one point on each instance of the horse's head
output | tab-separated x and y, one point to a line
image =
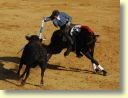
32	38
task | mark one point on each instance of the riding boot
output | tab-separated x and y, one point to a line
69	41
70	45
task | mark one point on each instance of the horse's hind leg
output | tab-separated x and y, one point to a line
91	53
94	62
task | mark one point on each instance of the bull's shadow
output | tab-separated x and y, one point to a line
10	59
7	73
11	73
50	66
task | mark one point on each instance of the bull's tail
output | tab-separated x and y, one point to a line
20	50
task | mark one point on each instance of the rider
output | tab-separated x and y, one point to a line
64	21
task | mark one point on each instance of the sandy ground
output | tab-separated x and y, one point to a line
21	17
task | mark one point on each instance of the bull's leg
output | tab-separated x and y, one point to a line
43	67
22	75
42	75
20	66
27	71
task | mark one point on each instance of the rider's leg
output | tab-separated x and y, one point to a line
70	42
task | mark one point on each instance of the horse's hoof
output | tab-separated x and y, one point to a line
80	55
96	70
104	72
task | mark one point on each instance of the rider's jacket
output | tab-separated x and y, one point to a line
61	20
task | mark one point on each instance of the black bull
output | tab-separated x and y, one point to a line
34	54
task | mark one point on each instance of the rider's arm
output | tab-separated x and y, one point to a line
55	23
67	17
46	19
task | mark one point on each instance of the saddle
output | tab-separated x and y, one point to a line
76	28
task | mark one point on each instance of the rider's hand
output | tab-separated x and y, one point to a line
45	19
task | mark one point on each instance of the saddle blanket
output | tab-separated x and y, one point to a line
77	28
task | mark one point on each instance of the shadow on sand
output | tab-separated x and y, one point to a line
6	74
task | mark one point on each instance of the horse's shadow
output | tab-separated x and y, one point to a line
58	67
6	74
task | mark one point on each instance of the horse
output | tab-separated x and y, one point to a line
84	44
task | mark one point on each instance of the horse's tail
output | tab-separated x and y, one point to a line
96	36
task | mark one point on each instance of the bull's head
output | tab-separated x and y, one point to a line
31	38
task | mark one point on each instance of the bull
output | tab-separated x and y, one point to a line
33	54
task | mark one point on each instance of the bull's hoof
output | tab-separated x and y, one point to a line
41	83
104	73
22	83
18	75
